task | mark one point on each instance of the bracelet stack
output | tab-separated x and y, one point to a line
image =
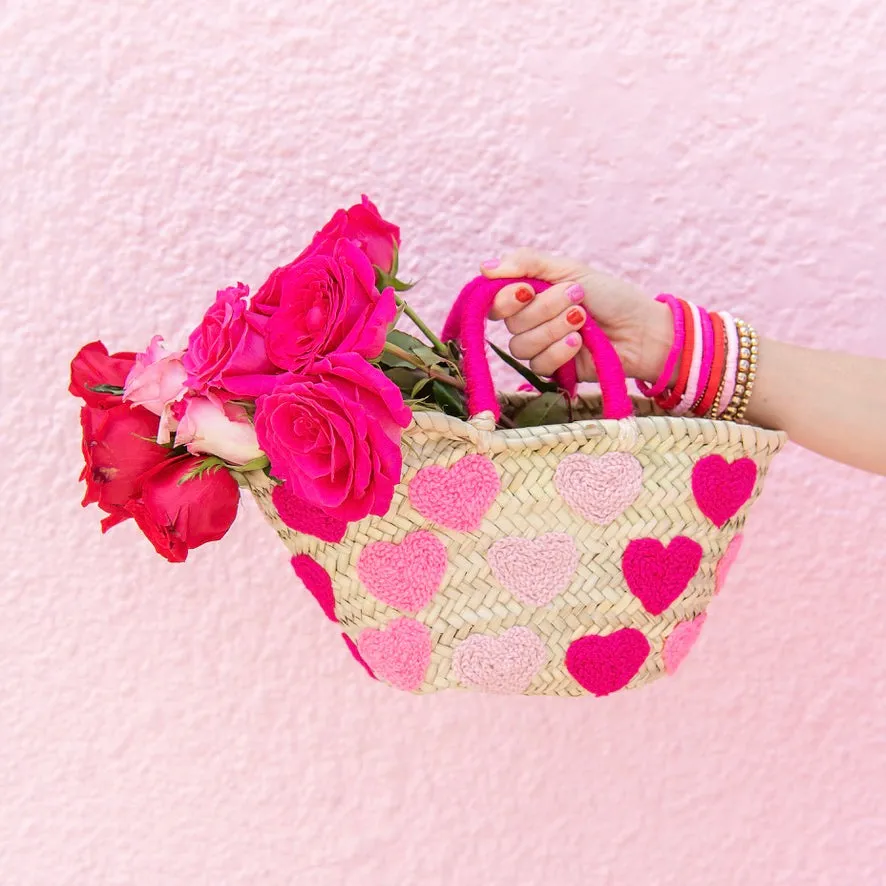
714	356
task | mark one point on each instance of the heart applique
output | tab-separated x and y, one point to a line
726	561
534	570
316	579
504	664
656	574
400	653
605	664
721	487
680	642
352	648
404	575
302	516
600	488
456	497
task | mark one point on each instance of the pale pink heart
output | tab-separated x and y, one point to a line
399	653
680	642
405	575
727	560
605	664
721	487
506	664
600	488
656	574
456	497
534	570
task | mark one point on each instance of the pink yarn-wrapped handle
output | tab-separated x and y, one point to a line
467	325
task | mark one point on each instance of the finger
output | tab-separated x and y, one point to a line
510	300
530	344
545	306
531	263
556	355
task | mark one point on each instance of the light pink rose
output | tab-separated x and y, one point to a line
210	427
156	379
333	436
227	350
329	304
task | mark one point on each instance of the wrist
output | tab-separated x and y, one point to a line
657	338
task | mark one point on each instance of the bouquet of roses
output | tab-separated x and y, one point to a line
308	380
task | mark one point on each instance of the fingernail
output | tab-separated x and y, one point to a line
573	340
575	293
490	264
575	317
524	296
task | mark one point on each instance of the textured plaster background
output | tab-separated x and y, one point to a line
203	724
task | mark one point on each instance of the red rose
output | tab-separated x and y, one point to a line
333	436
117	453
329	304
94	366
178	515
362	224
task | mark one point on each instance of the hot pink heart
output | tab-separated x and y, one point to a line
658	575
721	488
604	664
316	579
504	664
534	570
457	497
727	560
400	653
680	642
600	488
302	516
404	575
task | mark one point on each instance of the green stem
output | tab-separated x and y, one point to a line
436	344
442	377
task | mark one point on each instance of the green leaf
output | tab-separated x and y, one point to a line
106	389
419	387
414	346
449	400
257	464
404	379
545	409
546	387
208	464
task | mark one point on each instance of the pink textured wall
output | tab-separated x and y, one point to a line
202	724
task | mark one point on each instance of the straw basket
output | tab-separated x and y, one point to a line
568	559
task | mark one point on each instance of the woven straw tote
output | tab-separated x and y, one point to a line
569	559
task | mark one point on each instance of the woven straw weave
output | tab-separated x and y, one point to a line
598	600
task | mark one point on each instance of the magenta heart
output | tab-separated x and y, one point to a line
400	653
316	579
302	516
658	575
352	648
504	664
600	488
606	664
456	497
721	488
726	561
404	575
680	642
534	570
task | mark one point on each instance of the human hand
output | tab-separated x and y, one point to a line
544	327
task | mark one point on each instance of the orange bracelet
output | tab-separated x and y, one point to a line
670	400
707	399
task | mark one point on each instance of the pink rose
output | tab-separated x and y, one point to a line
334	436
210	427
362	224
329	304
156	380
227	350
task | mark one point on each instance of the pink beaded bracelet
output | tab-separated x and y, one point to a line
707	357
691	394
731	361
676	349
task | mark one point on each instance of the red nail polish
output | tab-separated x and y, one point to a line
575	317
524	296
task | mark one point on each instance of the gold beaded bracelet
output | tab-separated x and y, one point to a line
747	372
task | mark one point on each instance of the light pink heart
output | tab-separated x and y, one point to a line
680	642
505	664
726	561
405	575
456	497
534	570
600	488
399	654
656	574
721	487
606	664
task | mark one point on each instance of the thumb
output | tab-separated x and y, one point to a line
531	263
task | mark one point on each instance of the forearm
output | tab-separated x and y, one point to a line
833	404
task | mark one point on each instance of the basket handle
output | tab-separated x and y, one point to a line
467	325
